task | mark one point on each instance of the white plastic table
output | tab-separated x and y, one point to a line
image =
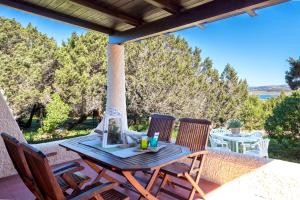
237	139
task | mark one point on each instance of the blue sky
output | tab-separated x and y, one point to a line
257	47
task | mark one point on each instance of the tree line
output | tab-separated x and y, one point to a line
63	84
163	74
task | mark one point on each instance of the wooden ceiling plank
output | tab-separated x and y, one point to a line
211	11
106	9
28	7
166	5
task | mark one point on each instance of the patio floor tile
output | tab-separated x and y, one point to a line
13	188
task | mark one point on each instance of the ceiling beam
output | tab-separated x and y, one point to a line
109	10
32	8
211	11
166	5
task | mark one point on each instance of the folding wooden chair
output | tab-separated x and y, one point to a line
48	186
192	133
73	180
162	124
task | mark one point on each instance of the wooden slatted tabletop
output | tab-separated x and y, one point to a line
146	161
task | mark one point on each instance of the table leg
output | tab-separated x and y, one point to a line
145	192
101	172
237	146
152	180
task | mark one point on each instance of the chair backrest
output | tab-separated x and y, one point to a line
42	173
162	124
213	141
220	131
193	133
17	157
263	146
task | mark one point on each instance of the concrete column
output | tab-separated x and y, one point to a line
116	81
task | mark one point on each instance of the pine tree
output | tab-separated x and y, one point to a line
81	77
28	59
292	76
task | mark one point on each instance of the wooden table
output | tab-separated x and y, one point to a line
127	166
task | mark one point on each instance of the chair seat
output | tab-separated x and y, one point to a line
111	194
176	169
78	177
65	166
114	195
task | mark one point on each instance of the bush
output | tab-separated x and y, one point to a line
57	113
253	114
234	123
285	120
256	111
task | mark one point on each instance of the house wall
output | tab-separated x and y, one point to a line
8	125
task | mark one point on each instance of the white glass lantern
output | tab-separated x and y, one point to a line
113	134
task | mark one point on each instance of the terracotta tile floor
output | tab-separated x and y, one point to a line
13	188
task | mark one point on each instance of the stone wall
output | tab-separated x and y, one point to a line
62	154
249	177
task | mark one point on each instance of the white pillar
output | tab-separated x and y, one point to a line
116	81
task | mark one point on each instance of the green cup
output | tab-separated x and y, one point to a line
144	143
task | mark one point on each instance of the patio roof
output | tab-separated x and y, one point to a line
129	20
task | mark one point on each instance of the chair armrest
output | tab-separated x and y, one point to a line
70	170
67	166
92	191
197	153
51	154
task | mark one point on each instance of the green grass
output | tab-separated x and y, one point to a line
33	136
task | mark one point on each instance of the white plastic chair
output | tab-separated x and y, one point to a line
261	149
251	146
218	143
257	134
219	131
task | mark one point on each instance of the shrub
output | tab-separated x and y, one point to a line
256	111
57	113
234	123
253	114
285	120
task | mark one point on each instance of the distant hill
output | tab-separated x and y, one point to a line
265	92
271	88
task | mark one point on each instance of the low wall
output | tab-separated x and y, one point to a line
62	154
249	177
